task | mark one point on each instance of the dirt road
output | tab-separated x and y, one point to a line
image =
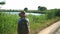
57	31
53	29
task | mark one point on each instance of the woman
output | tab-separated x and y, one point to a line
23	23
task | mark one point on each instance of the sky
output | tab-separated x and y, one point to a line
2	0
30	4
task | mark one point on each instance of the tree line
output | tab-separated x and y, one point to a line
40	8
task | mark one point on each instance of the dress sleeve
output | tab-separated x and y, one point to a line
27	20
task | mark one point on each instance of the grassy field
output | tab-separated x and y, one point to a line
38	23
8	22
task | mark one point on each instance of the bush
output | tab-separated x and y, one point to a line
58	12
52	13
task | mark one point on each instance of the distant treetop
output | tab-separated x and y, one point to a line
2	3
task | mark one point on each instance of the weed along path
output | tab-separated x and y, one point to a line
53	29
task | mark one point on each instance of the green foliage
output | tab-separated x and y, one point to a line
52	13
42	8
2	3
57	12
36	22
29	11
39	7
8	24
26	9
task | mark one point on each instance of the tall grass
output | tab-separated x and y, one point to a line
8	22
52	13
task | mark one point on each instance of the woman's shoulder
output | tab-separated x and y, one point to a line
27	19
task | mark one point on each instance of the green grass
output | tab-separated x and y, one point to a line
38	23
8	23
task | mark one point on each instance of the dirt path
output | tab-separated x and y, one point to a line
51	29
57	31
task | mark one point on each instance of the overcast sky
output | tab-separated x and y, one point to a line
2	0
31	4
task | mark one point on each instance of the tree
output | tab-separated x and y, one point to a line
2	3
25	9
41	8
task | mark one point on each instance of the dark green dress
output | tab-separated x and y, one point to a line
22	26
